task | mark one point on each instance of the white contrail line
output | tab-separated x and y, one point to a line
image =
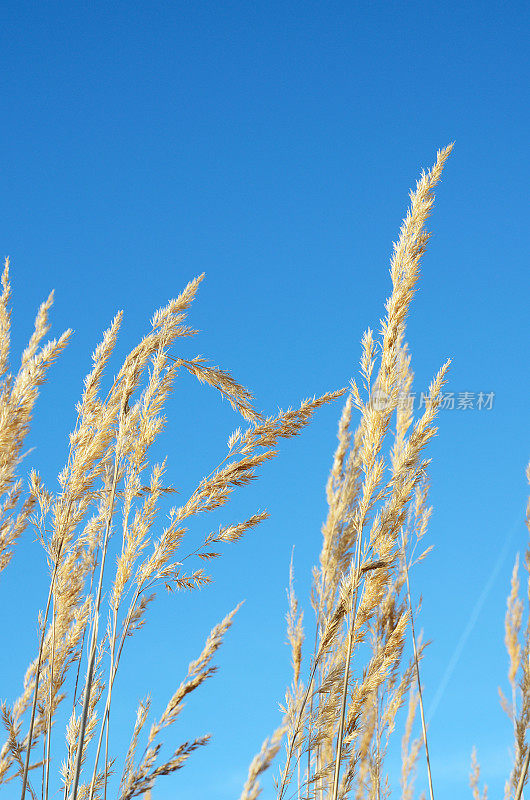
453	661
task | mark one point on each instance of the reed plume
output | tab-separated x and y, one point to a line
107	556
357	678
106	510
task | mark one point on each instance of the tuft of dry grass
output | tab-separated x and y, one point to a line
357	676
107	556
104	497
366	654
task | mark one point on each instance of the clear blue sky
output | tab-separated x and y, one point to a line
272	145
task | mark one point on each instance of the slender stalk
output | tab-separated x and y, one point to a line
50	699
297	726
106	715
111	681
366	568
94	638
318	627
112	677
37	675
378	747
44	760
309	725
353	614
298	765
106	754
522	776
416	663
69	757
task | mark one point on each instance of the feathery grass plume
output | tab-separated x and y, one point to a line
422	515
141	719
517	644
295	693
410	748
137	781
360	579
238	397
17	399
13	745
512	627
262	761
407	467
474	778
83	454
104	510
295	626
417	523
368	782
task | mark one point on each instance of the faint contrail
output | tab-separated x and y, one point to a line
453	661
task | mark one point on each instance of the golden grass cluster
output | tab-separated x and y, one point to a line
363	665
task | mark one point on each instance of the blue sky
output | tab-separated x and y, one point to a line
272	146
